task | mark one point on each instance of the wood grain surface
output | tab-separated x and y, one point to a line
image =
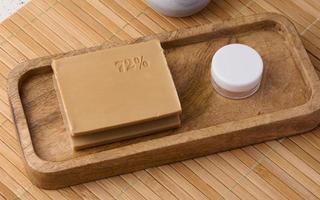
281	169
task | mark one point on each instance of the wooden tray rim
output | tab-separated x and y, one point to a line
40	166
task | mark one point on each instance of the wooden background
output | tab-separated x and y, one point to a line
284	169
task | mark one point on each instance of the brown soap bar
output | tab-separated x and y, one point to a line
116	88
118	134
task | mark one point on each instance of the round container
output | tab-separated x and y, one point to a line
236	71
178	8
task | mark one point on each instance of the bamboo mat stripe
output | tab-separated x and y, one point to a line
282	169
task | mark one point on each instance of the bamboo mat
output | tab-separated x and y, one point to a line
283	169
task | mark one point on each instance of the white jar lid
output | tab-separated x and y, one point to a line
178	8
237	68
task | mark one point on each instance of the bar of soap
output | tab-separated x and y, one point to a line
86	141
118	91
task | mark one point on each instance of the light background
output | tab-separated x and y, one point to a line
7	7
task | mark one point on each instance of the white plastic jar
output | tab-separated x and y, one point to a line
236	71
178	8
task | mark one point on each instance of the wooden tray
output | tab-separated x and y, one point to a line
287	103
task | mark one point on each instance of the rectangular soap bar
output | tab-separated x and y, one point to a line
115	88
118	134
122	133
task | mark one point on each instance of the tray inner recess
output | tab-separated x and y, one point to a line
190	67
